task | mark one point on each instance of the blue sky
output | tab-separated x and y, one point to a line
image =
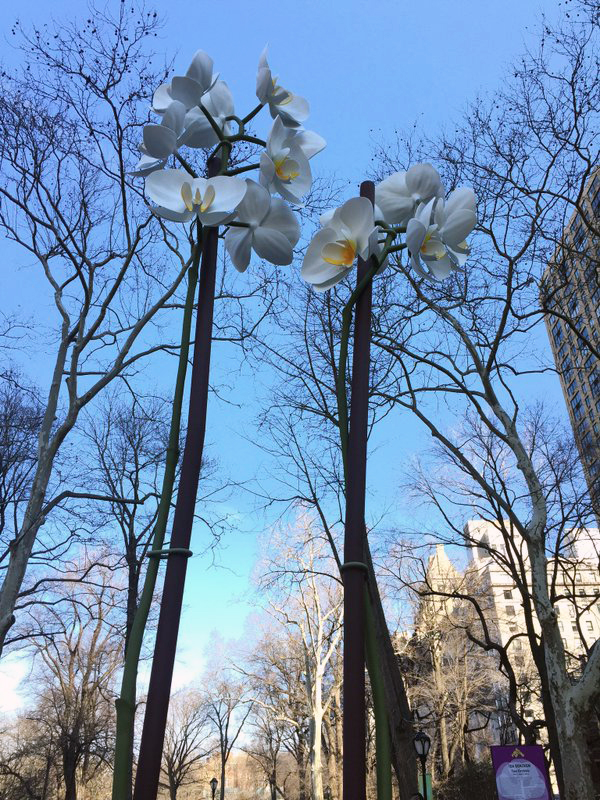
366	68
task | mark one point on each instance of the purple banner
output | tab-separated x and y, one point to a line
521	772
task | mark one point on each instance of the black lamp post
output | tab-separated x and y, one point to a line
422	743
213	787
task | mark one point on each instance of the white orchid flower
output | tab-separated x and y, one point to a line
219	104
284	167
436	235
292	108
180	198
188	88
272	231
398	195
160	141
350	233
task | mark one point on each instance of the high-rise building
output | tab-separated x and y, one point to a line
571	292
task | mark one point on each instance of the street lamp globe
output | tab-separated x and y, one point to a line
422	743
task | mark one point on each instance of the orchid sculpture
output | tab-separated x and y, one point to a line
365	231
196	116
410	203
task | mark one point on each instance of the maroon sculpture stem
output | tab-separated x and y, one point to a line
354	570
157	706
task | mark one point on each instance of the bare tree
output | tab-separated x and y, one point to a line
69	202
227	710
75	677
305	598
187	740
275	669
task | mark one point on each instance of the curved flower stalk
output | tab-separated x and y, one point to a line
436	229
289	107
271	229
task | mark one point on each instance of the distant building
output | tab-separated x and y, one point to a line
577	581
571	288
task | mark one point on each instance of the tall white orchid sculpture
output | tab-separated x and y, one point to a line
364	231
407	203
196	112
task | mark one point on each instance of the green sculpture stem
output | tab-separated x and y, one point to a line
126	703
382	731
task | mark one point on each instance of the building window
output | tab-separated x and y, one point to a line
574	627
572	386
510	611
579	237
507	594
557	333
589	625
512	627
563	349
595	201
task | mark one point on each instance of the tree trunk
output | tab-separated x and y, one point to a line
399	715
577	769
301	761
316	747
222	787
70	776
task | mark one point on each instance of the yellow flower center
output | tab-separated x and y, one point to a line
286	169
341	253
196	200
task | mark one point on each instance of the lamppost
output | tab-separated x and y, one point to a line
422	743
213	787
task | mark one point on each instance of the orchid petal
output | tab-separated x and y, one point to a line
201	69
309	142
162	99
237	244
282	218
256	204
164	188
273	246
159	141
357	214
458	226
461	198
186	90
173	216
415	235
174	116
293	111
146	165
423	182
